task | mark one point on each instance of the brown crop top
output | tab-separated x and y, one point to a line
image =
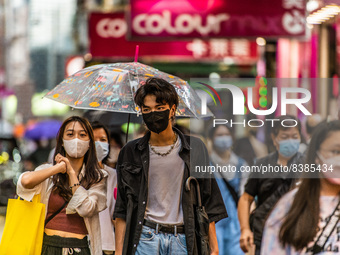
72	223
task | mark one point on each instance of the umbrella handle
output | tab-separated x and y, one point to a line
198	191
136	53
127	131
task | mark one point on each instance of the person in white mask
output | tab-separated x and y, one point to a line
73	189
306	219
102	138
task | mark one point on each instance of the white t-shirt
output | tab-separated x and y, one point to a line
165	186
105	217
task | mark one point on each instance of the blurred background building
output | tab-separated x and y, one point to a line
44	41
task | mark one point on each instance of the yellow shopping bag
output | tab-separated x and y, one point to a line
24	227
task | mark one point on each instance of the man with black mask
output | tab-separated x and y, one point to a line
154	212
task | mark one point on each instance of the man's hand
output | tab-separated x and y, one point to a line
246	240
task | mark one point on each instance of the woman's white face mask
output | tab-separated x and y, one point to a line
102	149
76	148
333	168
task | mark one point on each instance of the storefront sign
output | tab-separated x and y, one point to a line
108	39
216	18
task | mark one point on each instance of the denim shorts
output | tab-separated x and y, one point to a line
151	243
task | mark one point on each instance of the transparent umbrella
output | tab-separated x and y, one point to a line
111	87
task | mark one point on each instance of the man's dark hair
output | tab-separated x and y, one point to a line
164	92
289	120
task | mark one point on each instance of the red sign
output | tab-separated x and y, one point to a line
108	39
217	18
337	33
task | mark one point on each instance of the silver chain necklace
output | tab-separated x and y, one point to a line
168	152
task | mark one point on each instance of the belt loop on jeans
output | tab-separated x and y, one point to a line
175	230
157	228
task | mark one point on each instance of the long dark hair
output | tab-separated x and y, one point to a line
300	226
92	169
97	125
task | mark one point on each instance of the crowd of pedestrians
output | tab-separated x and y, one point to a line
105	198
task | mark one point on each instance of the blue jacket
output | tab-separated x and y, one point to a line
228	230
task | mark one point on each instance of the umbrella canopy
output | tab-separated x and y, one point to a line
46	129
111	87
111	119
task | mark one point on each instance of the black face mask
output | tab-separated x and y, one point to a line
157	121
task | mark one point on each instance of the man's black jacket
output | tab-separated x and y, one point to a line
132	195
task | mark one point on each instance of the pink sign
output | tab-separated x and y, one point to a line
108	39
337	33
217	18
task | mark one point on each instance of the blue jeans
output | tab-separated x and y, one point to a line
151	243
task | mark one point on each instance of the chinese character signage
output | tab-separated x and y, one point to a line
216	18
108	39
